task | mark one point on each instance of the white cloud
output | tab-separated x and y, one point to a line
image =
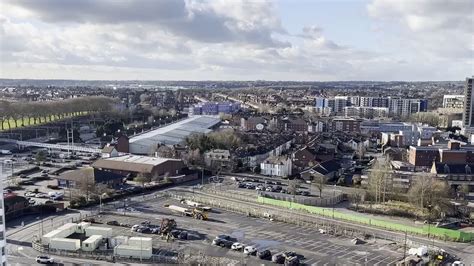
239	39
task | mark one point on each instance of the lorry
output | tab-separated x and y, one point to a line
196	205
196	213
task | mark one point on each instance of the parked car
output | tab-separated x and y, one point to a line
41	195
241	185
264	254
250	250
217	241
31	201
292	261
269	189
44	259
304	193
183	235
238	246
30	194
27	183
259	188
56	197
113	223
225	237
226	243
278	258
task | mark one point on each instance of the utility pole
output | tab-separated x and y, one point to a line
405	247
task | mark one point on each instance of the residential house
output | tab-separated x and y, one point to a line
109	151
276	166
330	170
219	159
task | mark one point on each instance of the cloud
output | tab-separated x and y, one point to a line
435	28
218	39
204	21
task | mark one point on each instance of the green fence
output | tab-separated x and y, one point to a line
441	233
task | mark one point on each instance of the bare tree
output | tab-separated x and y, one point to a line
293	186
379	180
319	181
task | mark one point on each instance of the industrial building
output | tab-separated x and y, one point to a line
153	167
172	134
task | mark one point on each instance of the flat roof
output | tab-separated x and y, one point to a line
177	132
92	238
140	159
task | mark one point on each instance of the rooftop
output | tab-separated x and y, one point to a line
177	132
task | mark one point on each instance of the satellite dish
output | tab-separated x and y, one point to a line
259	127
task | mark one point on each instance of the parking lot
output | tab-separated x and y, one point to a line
309	243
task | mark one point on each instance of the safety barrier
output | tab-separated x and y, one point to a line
441	233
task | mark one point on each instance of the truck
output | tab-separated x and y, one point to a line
196	205
196	213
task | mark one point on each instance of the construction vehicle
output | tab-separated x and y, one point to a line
196	205
196	213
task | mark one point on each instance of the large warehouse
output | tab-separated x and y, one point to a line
153	167
172	134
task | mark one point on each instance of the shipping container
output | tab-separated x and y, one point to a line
81	227
118	240
91	243
65	244
95	230
144	242
63	231
133	251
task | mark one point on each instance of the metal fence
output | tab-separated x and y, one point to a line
328	226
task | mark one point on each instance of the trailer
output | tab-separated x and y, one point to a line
92	243
196	205
63	231
95	230
65	244
196	213
143	242
81	227
118	240
129	251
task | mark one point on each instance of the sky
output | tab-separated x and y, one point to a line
307	40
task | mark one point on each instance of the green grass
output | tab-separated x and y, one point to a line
30	121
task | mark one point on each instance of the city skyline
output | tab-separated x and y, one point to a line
237	40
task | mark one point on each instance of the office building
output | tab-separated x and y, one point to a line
468	117
453	101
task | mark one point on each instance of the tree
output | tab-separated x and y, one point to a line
41	156
293	186
379	180
427	191
319	181
165	152
141	179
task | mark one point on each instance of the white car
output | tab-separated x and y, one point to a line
30	194
250	250
458	263
237	246
44	259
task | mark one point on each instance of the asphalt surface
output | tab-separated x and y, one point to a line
316	248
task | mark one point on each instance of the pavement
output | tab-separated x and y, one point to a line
317	249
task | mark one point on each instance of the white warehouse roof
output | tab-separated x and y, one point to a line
172	134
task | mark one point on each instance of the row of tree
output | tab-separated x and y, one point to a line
17	114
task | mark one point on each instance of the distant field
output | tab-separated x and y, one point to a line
31	122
